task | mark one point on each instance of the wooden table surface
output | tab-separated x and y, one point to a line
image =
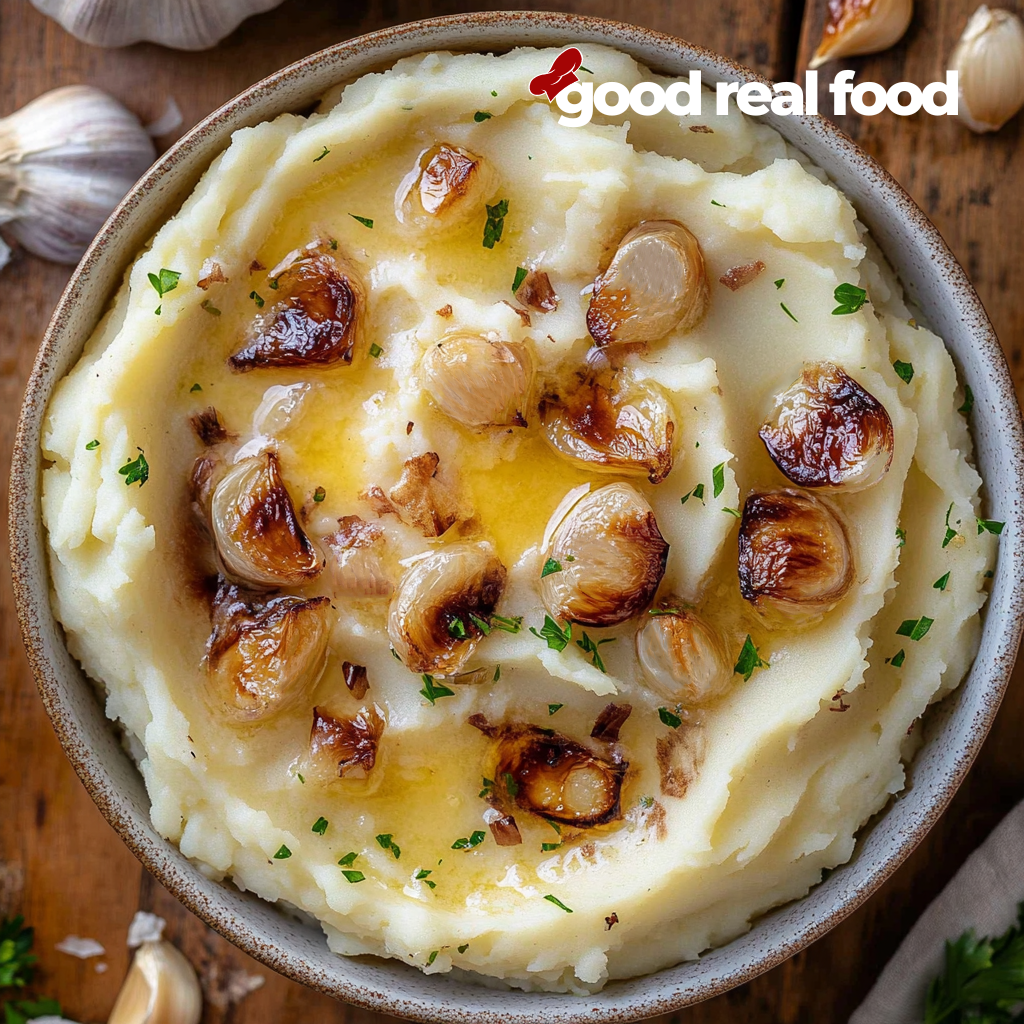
66	870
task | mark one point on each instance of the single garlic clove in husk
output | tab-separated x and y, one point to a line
447	187
857	27
990	60
66	160
161	987
682	657
179	24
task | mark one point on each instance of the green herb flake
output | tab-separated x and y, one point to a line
348	860
663	611
550	566
512	625
353	876
481	624
905	371
552	708
941	582
196	387
475	839
283	854
386	842
950	532
488	788
749	660
850	299
733	512
136	471
376	351
257	298
989	574
915	628
209	307
497	674
300	777
901	536
367	222
395	655
697	492
421	876
558	903
457	629
990	526
781	281
511	786
520	277
319	494
317	159
434	691
495	223
164	282
898	658
319	826
968	405
588	646
482	115
647	802
557	639
785	309
494	92
667	717
463	948
718	479
432	957
722	205
548	847
92	445
588	71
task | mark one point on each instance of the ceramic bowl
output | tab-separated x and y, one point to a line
954	729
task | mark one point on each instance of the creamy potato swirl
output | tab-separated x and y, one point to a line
498	644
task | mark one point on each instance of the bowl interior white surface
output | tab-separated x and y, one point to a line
954	730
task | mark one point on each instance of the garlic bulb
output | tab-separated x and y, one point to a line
66	160
990	60
161	987
856	27
179	24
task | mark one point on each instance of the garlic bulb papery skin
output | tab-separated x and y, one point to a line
161	987
66	160
179	24
857	27
990	60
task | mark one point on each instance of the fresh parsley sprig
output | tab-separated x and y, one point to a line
551	632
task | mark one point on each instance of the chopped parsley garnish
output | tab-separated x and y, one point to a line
552	632
462	949
196	387
273	281
482	115
781	281
319	494
558	903
718	479
334	244
915	628
257	298
588	646
518	279
950	532
299	776
785	309
481	624
317	159
673	721
662	611
554	825
898	658
92	445
940	583
850	299
386	842
348	860
548	847
353	876
512	625
733	512
367	222
432	957
164	282
488	788
552	708
511	786
749	660
968	401
588	71
283	854
468	843
319	826
16	960
497	673
433	691
550	566
495	223
457	629
421	876
901	536
209	307
395	655
647	802
722	205
494	92
990	526
136	471
905	371
697	492
376	350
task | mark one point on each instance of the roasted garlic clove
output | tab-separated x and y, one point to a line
478	382
682	657
346	748
317	318
255	528
420	498
827	431
356	679
857	27
622	428
503	827
655	283
536	292
161	987
610	555
556	777
794	555
265	654
990	60
431	619
447	187
355	565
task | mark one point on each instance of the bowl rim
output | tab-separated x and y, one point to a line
471	33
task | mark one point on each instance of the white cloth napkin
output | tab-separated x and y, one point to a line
983	895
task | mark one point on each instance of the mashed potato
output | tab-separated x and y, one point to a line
724	807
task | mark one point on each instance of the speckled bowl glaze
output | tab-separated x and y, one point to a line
954	729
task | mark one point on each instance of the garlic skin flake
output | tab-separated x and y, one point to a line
179	24
66	160
858	27
161	987
990	60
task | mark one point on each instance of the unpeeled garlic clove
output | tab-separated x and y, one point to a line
857	27
683	657
66	160
161	987
345	747
990	60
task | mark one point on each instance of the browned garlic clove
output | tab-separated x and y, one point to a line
431	619
355	679
827	431
624	428
611	557
209	427
536	292
161	987
556	777
990	60
317	318
857	27
683	658
346	747
503	827
655	283
447	186
265	654
420	498
610	721
794	555
478	382
354	559
255	528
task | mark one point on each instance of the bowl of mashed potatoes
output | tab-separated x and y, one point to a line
495	570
